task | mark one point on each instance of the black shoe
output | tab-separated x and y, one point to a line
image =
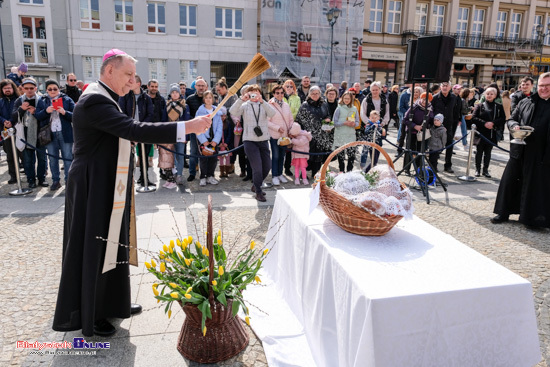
478	174
486	174
55	186
103	328
139	182
247	178
190	178
448	170
12	181
499	218
288	172
43	183
135	308
261	198
32	185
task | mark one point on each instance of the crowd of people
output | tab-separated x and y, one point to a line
316	121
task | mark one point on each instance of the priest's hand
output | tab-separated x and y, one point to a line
198	125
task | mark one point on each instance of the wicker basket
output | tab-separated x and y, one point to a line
225	334
347	215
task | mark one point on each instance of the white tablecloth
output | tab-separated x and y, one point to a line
414	297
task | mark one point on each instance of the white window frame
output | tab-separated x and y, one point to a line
36	45
159	28
158	71
188	29
477	28
515	25
232	31
91	22
502	20
124	23
188	70
421	16
438	18
91	64
537	21
376	16
547	38
394	17
31	2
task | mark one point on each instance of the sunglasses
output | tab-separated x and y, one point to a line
52	89
72	80
28	88
278	93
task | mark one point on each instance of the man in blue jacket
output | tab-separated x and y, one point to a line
8	95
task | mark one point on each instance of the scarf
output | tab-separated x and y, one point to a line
31	124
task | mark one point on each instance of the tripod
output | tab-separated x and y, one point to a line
420	171
406	151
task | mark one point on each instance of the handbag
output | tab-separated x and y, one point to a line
419	135
45	135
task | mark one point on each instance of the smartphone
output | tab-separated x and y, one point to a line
32	102
57	103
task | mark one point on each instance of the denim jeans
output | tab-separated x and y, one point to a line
58	144
30	158
277	158
180	159
193	160
464	131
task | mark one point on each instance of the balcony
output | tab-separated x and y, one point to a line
479	42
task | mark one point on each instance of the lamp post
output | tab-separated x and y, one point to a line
332	16
541	35
2	45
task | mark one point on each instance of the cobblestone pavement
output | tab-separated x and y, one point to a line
31	248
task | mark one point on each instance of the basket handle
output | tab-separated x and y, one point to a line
210	247
349	145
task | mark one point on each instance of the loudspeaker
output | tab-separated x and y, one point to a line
433	59
409	64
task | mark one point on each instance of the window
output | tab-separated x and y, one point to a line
188	20
35	2
376	10
91	66
188	70
35	48
89	14
229	23
537	22
515	25
501	24
124	16
462	26
477	28
394	17
438	18
421	17
157	70
156	18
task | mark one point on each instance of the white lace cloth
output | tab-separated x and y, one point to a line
387	197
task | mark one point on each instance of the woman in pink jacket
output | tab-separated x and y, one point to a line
300	143
279	126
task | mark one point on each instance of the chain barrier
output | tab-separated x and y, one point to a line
490	142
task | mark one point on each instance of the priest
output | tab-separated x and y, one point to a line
95	283
525	183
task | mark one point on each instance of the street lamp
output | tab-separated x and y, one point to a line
2	45
541	35
332	16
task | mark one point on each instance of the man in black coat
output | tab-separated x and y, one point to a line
304	87
95	283
526	87
194	102
71	90
524	185
447	104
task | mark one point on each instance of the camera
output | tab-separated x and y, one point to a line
258	131
253	96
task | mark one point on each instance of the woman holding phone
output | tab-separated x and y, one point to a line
56	109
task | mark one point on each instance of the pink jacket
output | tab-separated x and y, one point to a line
282	118
301	144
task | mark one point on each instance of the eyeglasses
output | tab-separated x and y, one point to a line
72	80
278	93
544	86
28	88
289	86
52	89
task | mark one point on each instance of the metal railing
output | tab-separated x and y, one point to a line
475	41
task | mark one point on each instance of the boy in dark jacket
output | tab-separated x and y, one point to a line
437	140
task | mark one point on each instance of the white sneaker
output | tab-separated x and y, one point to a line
466	147
202	182
283	179
275	181
211	180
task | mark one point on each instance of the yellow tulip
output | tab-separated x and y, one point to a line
147	265
188	262
252	245
219	240
169	313
188	296
153	263
162	267
174	295
161	253
257	278
199	244
220	270
203	270
165	248
172	244
158	300
155	285
266	251
171	250
204	249
189	239
178	242
173	285
214	282
247	319
189	290
155	291
204	331
219	232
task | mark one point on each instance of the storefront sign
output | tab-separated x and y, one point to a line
544	60
380	55
471	60
504	62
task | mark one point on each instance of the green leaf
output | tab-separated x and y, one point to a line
222	300
235	307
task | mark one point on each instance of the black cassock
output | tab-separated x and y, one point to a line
85	294
525	185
